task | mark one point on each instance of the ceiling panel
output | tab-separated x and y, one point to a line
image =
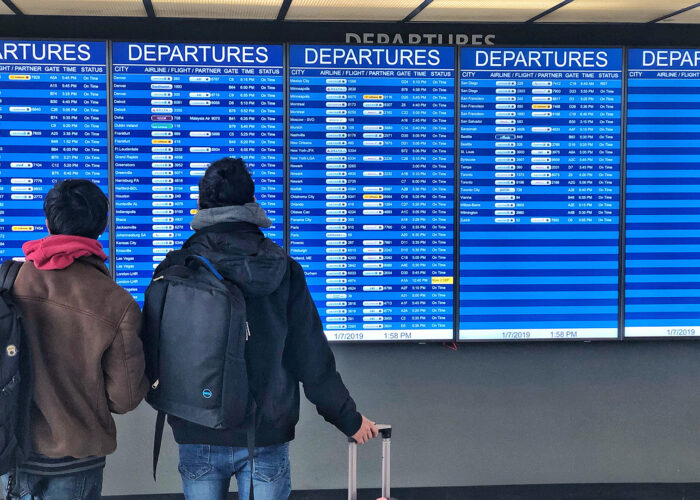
484	10
4	9
689	16
351	10
218	9
614	11
127	8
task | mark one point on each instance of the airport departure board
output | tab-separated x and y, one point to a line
539	193
371	166
662	297
177	108
374	164
53	127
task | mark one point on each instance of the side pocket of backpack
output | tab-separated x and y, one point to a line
236	384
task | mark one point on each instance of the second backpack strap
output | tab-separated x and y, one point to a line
157	440
8	274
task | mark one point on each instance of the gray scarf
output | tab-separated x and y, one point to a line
250	212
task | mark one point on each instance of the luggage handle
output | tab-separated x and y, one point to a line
385	432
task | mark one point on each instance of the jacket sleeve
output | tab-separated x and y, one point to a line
124	364
310	358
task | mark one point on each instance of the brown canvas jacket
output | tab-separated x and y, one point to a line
88	359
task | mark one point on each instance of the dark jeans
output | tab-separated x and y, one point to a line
79	486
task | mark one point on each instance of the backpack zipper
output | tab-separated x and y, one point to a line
247	331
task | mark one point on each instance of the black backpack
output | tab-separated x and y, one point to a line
194	335
15	376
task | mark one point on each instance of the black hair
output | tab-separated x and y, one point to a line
226	182
76	207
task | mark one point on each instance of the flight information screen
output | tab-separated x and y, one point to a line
539	193
177	108
371	164
662	297
53	126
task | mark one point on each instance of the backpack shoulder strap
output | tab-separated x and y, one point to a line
157	440
8	273
206	263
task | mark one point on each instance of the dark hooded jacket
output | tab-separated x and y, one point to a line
287	343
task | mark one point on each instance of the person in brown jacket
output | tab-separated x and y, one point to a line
88	359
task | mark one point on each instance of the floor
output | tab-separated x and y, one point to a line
690	491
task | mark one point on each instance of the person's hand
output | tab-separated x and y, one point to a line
368	430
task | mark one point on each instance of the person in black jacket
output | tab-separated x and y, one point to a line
287	346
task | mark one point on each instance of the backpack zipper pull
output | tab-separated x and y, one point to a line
247	331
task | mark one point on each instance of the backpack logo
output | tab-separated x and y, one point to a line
11	351
206	393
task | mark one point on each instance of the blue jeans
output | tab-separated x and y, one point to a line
207	470
79	486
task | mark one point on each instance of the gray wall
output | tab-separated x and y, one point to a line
485	415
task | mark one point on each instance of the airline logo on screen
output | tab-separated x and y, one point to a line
420	38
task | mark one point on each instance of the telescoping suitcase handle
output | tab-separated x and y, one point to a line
385	431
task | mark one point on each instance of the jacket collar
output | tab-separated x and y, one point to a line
232	228
95	262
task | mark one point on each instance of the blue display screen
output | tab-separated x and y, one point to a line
371	165
177	108
53	126
662	295
539	193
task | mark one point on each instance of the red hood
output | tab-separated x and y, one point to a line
59	251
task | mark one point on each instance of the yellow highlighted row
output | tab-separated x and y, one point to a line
442	280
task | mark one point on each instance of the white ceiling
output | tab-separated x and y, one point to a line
689	16
578	11
108	8
484	10
218	9
614	11
351	10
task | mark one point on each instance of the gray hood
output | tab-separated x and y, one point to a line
250	212
240	252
